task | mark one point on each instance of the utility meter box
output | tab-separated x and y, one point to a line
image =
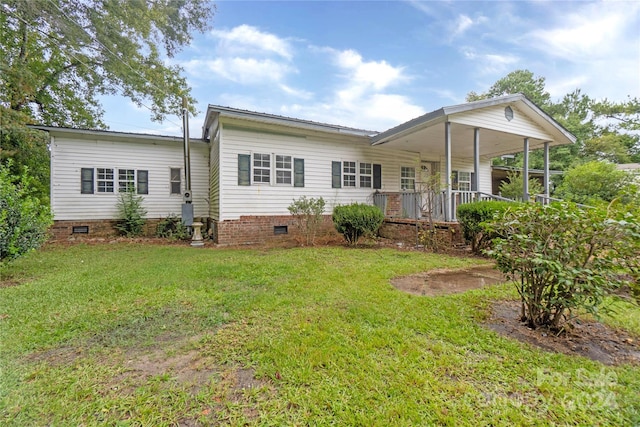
187	214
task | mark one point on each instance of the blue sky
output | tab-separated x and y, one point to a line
375	64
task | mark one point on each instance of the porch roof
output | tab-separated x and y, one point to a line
500	132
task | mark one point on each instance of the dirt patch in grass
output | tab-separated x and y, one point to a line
590	339
444	282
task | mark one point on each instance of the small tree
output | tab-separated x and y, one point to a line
513	187
132	214
308	216
357	220
563	258
24	220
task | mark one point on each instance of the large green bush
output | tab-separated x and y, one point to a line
563	258
594	182
131	214
357	220
24	220
471	216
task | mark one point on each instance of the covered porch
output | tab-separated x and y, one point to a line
469	134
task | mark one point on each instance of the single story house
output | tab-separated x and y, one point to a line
248	167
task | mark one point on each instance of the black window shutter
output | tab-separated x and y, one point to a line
377	177
474	187
86	181
143	182
336	174
454	180
298	172
244	169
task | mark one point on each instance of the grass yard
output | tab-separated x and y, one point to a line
143	335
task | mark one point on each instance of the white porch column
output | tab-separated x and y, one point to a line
476	161
447	172
525	171
546	171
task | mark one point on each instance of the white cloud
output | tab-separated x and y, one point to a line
375	74
490	63
249	39
249	71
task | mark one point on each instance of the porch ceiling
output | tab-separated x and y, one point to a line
430	141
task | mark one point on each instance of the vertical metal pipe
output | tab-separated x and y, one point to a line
187	152
525	171
546	170
448	215
476	161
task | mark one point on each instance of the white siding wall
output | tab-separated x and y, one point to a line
214	179
493	118
157	156
318	153
264	199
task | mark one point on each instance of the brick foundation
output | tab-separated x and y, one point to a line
262	229
63	230
405	230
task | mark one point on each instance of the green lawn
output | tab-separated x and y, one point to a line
129	334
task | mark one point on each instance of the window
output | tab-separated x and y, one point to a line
261	168
461	181
286	169
105	180
175	181
86	181
366	175
348	174
298	172
143	182
126	181
283	169
407	178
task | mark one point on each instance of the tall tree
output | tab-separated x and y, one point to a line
519	81
58	56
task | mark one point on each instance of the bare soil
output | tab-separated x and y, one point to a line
590	339
444	282
583	337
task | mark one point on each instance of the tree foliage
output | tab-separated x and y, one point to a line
593	182
27	150
512	188
59	56
519	81
563	258
23	219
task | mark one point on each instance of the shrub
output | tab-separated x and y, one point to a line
24	220
563	258
172	227
471	216
308	216
356	220
131	213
